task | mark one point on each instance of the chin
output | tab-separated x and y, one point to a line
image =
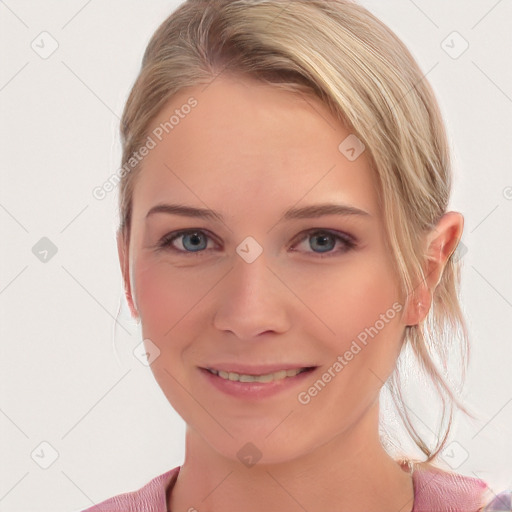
253	451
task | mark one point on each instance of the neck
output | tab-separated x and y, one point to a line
351	472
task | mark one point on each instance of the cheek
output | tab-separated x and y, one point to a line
163	296
360	304
349	298
170	300
370	331
362	307
374	324
155	300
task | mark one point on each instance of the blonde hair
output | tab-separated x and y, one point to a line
358	67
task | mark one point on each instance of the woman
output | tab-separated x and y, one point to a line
284	236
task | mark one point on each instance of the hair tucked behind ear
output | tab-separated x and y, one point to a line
340	52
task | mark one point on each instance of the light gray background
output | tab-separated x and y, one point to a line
68	378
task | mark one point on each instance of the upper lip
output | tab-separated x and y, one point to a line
260	369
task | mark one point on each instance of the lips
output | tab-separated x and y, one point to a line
256	370
256	385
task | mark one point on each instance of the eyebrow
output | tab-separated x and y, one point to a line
306	212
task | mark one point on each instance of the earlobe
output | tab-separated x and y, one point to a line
417	306
122	251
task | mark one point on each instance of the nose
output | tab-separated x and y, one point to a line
252	300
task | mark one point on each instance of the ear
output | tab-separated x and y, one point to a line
440	243
124	261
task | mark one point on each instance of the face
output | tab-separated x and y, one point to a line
252	289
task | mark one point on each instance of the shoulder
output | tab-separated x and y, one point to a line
149	498
498	503
439	490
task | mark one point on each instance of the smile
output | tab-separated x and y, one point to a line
268	377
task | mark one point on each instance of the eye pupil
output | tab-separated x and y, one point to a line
196	241
324	242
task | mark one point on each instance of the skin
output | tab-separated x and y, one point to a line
250	151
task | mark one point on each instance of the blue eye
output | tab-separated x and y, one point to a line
326	242
192	241
322	241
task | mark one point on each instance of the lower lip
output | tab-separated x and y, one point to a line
255	390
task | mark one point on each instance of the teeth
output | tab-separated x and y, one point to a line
269	377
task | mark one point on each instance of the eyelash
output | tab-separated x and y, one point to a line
349	241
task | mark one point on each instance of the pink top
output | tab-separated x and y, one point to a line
435	490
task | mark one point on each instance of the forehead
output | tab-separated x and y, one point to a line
250	142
